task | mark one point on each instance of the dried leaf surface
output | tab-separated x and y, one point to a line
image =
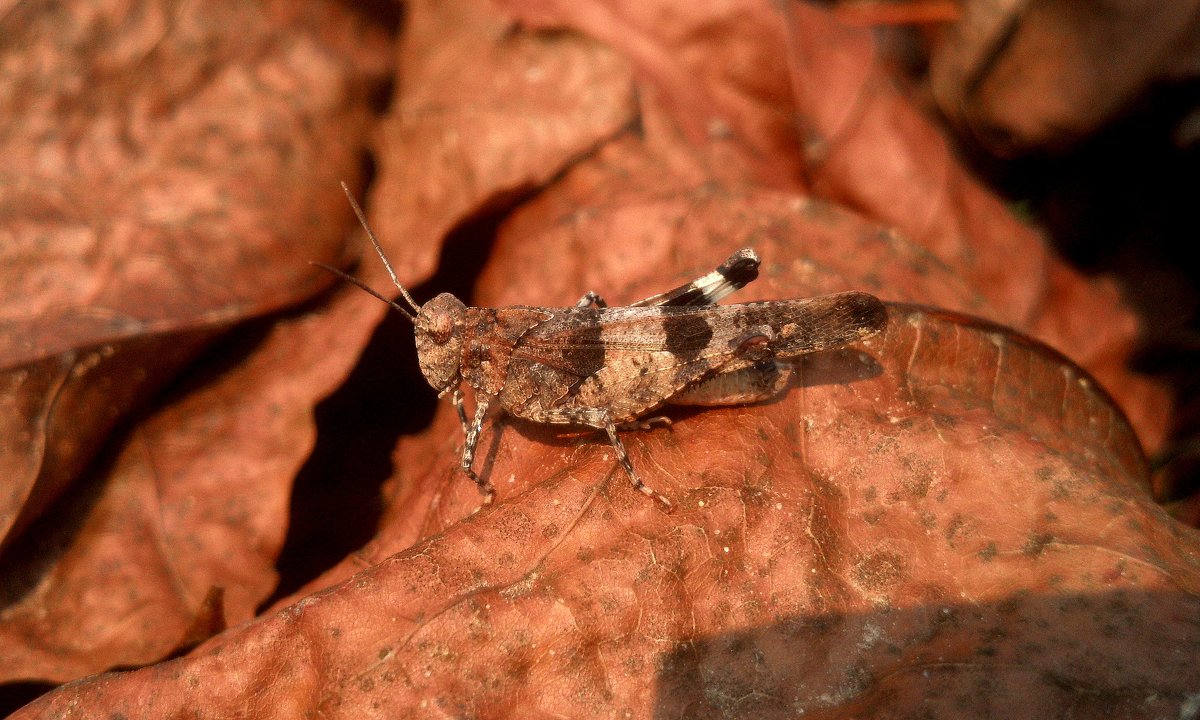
197	498
160	183
948	519
486	113
845	556
1018	76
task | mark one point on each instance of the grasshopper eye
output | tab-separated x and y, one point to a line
440	328
439	317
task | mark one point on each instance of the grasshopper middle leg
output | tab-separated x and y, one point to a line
601	419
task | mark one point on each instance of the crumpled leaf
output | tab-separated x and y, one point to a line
42	450
845	555
197	498
948	517
485	115
152	194
863	144
1018	76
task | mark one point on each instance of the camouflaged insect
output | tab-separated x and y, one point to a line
601	367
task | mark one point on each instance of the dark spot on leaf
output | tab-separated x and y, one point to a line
871	517
1036	543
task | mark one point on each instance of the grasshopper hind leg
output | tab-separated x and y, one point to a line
735	273
759	382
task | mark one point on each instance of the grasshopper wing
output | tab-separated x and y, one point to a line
630	360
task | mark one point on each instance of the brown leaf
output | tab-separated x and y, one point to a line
950	516
487	113
42	446
899	533
198	497
160	183
880	155
158	187
1020	76
209	620
864	144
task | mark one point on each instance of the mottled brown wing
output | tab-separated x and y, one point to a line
578	340
633	358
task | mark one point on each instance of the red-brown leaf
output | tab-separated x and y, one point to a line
1047	75
950	519
164	178
932	538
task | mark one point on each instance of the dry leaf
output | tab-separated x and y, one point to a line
485	115
950	519
899	534
164	178
865	144
1022	75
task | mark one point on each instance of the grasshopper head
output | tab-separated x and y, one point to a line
439	330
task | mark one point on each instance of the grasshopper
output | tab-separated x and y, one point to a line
606	367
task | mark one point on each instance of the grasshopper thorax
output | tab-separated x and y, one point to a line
439	337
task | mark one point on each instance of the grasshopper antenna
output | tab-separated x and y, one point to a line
375	243
363	286
362	219
379	250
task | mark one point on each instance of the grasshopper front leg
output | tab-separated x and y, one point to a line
456	397
472	440
598	418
